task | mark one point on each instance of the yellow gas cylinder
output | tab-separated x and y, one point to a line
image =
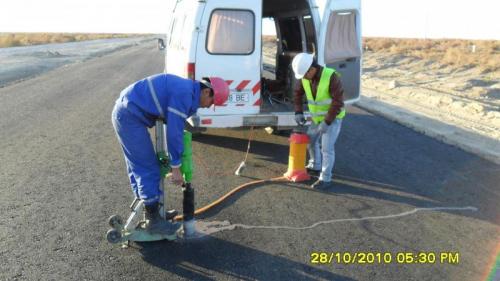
297	158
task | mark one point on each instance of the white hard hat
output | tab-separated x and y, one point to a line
301	64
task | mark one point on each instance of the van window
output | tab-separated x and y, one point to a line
341	37
231	32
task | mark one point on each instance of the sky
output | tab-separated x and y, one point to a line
381	18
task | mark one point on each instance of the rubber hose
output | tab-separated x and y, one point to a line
229	194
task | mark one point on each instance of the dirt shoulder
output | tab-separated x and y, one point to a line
29	39
457	102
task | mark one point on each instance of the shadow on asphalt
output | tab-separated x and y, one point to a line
197	260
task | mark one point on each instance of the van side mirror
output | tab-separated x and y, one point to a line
161	44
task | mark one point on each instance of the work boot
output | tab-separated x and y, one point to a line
155	224
321	185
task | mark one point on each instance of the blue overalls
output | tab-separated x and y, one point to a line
135	111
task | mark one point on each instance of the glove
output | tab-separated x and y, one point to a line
323	127
299	118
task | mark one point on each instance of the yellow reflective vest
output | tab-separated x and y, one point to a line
319	107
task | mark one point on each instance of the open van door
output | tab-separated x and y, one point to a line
339	45
229	46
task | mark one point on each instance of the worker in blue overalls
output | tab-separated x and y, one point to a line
172	99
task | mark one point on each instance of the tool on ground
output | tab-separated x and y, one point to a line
134	229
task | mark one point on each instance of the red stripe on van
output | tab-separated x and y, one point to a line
258	102
206	121
242	85
256	88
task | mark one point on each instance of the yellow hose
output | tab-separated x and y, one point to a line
230	193
234	190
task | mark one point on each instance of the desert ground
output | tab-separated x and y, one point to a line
461	85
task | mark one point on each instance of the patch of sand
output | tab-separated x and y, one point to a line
460	106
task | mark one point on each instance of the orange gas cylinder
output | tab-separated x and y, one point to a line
297	158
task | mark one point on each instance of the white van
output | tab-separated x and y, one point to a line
224	38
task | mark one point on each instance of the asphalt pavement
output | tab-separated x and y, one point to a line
398	196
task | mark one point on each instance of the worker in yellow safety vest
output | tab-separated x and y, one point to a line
325	100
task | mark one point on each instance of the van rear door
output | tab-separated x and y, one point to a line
229	46
339	44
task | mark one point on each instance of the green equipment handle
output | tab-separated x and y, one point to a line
186	169
186	160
